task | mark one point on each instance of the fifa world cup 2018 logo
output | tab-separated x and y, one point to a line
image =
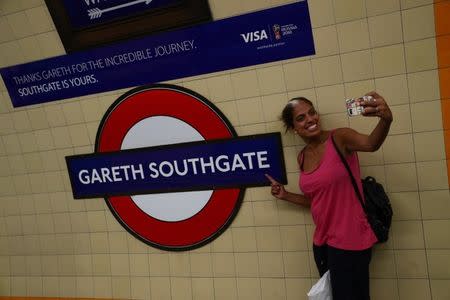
276	31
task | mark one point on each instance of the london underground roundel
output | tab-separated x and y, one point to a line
159	115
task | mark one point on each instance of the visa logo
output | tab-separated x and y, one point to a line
254	36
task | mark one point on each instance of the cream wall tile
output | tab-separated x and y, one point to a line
7	186
272	288
244	239
6	124
82	243
272	105
6	33
34	286
432	175
24	4
298	75
85	287
181	288
246	264
402	119
220	88
62	223
39	19
118	242
353	35
92	110
296	264
382	264
418	23
61	138
385	29
202	288
330	99
245	84
5	170
223	264
45	224
439	263
72	112
439	289
326	41
326	70
297	286
13	225
50	286
55	115
358	88
411	264
121	287
244	217
265	213
79	135
378	7
394	89
22	184
201	264
19	24
413	3
250	111
429	145
336	120
198	86
271	264
389	60
28	142
362	124
120	265
159	264
28	49
347	10
426	116
321	12
50	44
414	289
399	149
29	225
67	286
357	65
222	9
223	243
421	55
37	118
401	177
179	264
83	265
140	288
18	286
139	265
225	288
249	288
44	139
21	121
408	235
406	205
11	55
101	265
423	86
102	287
33	162
268	238
96	221
99	242
79	221
271	80
17	164
289	213
436	234
435	204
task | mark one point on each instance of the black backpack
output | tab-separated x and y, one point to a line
377	206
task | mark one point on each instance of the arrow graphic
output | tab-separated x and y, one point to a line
96	13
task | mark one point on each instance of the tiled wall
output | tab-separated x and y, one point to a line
52	245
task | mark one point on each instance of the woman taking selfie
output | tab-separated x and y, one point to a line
343	238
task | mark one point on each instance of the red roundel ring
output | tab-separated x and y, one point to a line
188	107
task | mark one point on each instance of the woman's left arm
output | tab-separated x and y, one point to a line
351	140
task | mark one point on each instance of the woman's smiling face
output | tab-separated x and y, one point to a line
306	120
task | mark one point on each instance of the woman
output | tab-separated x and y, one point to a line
343	239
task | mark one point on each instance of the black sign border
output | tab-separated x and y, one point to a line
179	15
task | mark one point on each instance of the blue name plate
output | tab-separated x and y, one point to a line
207	165
279	33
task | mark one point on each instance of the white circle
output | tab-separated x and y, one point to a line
163	130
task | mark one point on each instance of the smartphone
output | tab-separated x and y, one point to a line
353	106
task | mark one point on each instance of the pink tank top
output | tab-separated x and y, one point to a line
339	218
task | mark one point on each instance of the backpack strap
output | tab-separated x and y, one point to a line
355	186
